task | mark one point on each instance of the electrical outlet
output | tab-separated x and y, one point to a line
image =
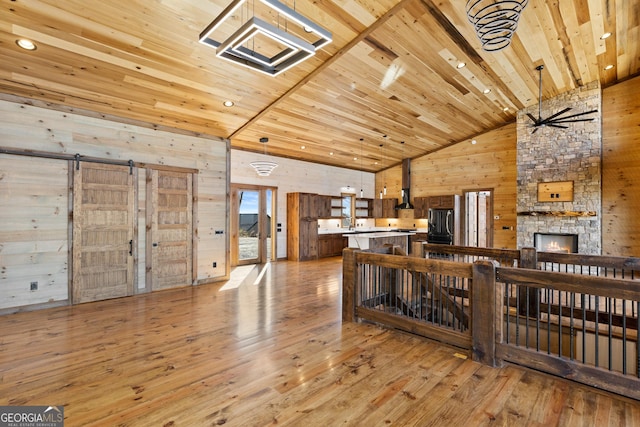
215	264
34	286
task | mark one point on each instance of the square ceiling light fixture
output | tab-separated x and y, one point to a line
282	49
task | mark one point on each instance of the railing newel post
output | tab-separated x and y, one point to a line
529	297
486	311
349	284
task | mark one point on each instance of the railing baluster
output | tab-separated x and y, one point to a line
597	330
609	309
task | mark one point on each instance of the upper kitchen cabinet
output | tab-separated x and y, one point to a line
323	204
364	208
420	207
385	208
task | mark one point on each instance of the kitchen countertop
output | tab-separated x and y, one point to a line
346	232
379	234
378	239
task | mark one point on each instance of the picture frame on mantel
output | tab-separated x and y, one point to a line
557	191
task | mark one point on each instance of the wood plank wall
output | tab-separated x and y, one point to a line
491	163
34	218
33	230
488	164
621	169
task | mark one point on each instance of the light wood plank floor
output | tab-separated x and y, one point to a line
273	352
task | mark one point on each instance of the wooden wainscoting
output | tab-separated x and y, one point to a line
268	352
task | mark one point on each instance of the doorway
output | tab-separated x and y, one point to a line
478	223
253	225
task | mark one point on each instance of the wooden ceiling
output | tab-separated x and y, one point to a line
390	70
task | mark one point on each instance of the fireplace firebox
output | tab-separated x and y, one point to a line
556	242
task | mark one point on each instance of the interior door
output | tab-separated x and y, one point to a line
170	229
479	218
103	232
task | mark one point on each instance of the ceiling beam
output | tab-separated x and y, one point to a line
360	37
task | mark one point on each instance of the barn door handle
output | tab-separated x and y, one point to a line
130	247
155	245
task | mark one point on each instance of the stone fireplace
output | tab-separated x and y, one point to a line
551	155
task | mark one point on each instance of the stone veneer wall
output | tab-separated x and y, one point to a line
553	154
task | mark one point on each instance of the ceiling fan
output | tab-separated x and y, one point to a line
556	120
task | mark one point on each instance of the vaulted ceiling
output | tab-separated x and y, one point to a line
391	70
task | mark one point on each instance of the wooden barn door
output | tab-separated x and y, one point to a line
103	232
170	229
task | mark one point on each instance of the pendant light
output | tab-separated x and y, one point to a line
382	162
384	189
402	190
264	168
361	190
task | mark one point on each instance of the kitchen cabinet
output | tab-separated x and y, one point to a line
302	226
444	202
420	207
364	208
336	206
323	204
331	244
385	208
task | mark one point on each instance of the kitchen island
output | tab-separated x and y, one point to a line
377	240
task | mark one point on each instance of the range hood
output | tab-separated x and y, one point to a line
406	185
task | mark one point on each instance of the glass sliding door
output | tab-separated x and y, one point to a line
253	224
249	226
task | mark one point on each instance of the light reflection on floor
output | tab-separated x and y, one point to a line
246	274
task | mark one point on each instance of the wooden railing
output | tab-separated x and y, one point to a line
579	321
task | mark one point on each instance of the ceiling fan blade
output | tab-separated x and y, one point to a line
571	120
535	130
550	118
533	119
556	126
578	115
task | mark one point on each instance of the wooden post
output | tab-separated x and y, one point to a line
417	249
349	282
528	259
486	303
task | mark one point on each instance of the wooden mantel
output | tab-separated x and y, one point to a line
557	213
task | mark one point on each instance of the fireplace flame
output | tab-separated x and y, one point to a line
554	246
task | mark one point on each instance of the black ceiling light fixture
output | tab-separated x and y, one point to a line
495	21
556	120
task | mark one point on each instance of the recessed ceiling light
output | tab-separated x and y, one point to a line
486	91
608	67
505	109
473	141
331	153
355	158
605	36
302	147
461	65
228	103
26	44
